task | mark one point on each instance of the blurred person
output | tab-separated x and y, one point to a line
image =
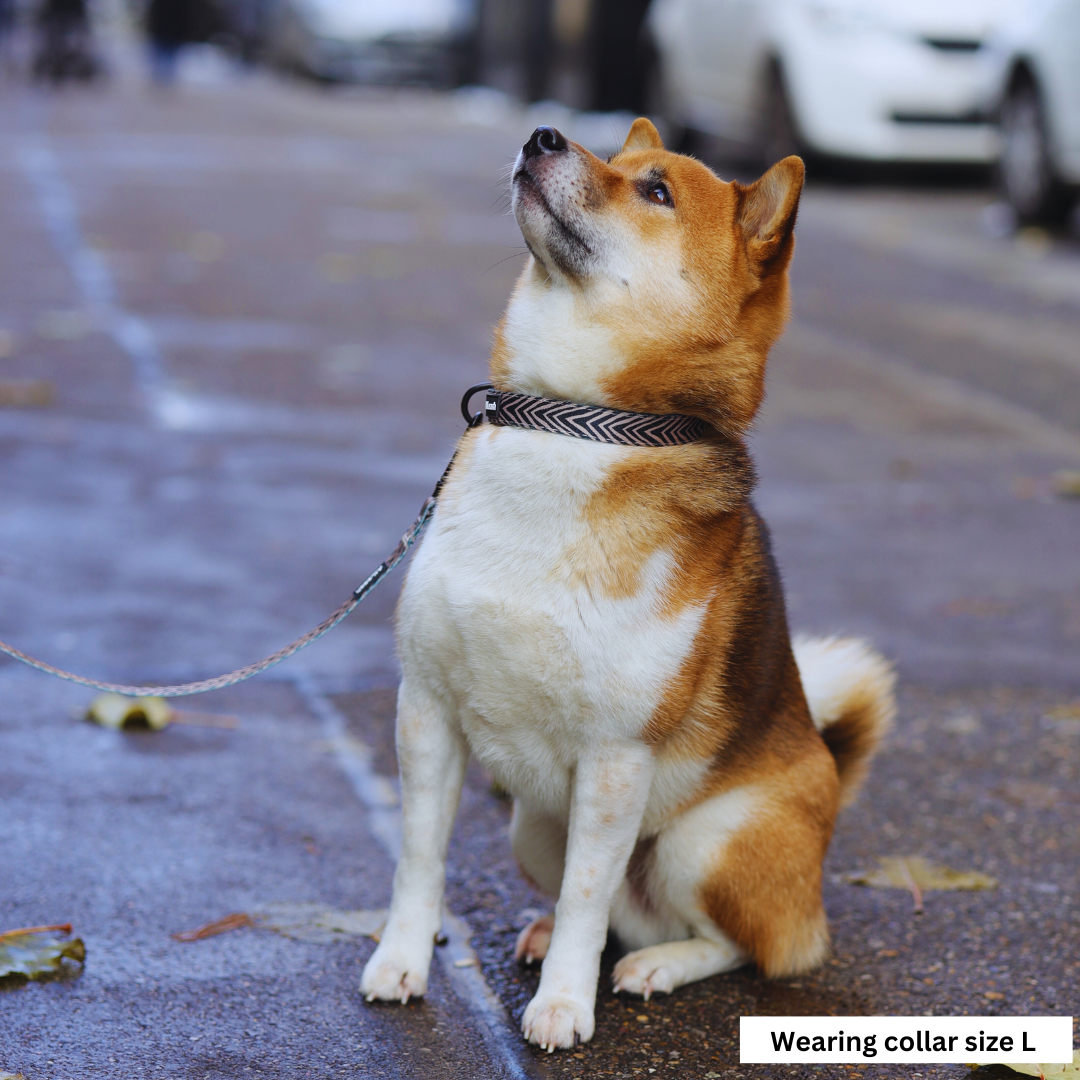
618	61
539	48
7	30
64	45
246	28
168	26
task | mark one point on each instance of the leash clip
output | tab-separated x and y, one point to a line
478	418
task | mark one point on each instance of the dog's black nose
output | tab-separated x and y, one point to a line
544	140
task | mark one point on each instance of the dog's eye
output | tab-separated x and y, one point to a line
659	194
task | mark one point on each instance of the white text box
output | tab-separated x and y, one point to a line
915	1040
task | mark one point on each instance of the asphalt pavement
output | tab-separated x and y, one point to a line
256	304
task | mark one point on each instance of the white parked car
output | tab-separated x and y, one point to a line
885	80
1036	94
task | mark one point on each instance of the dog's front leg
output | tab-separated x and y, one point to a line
610	790
432	754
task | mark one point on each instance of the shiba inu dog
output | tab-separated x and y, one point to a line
604	626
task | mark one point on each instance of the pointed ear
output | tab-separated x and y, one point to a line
643	136
767	210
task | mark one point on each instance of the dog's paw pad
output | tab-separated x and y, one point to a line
638	973
557	1022
533	941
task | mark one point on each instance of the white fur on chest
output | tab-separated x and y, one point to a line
536	661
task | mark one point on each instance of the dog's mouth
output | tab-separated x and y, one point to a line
563	244
524	180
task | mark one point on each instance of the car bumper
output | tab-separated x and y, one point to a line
885	97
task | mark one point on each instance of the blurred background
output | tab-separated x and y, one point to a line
988	84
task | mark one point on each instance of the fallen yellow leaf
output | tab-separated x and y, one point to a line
36	951
899	872
116	711
1065	718
916	874
1067	483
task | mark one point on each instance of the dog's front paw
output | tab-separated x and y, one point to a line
557	1022
533	941
393	975
644	972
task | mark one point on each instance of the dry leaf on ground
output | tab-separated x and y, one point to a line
25	393
895	873
1064	718
315	922
116	711
36	951
1032	794
218	926
300	921
1065	712
1067	483
916	874
11	1076
1059	1071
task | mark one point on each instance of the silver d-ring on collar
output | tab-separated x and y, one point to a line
470	418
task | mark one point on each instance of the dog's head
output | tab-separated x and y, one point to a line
653	285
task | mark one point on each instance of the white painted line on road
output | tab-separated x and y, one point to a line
135	336
38	162
457	957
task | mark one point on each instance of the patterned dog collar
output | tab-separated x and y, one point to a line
591	421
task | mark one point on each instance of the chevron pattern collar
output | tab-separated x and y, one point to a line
592	421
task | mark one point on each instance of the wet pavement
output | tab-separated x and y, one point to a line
258	304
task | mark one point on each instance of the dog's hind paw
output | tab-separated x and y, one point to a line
640	973
389	976
663	968
533	941
557	1022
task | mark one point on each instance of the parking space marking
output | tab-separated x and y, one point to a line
132	334
379	797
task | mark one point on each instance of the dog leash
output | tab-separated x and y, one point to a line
503	408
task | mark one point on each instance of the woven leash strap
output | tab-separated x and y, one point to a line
592	421
240	674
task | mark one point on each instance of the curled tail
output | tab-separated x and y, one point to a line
849	689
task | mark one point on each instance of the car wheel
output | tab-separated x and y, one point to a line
1025	168
779	131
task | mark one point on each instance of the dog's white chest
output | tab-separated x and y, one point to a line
500	615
